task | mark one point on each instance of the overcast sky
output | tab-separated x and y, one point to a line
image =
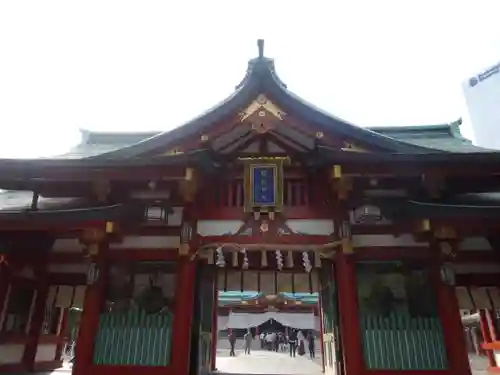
152	65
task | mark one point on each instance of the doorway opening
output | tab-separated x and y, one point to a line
262	333
277	328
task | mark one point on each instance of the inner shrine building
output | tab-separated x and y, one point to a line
122	245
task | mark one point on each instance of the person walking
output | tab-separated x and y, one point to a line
281	342
292	342
262	337
310	342
248	341
232	343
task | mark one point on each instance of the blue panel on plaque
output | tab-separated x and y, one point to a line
263	189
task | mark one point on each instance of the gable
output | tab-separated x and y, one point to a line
263	116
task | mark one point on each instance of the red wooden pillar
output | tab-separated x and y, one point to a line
89	322
4	285
486	333
183	316
348	313
449	312
319	310
215	328
36	322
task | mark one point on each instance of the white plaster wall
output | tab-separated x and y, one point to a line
465	268
11	353
67	245
147	242
311	227
175	219
218	227
45	352
379	240
474	243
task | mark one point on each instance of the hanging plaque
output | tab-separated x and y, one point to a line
264	185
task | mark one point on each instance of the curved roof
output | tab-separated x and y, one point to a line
442	137
261	77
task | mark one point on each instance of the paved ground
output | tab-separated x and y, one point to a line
263	361
266	362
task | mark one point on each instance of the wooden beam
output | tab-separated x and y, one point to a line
150	230
392	253
55	227
407	169
292	239
165	254
236	213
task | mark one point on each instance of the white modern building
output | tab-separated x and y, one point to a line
482	95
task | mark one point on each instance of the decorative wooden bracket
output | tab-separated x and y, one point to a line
188	187
433	185
448	248
341	184
92	238
445	232
184	249
346	244
422	227
100	190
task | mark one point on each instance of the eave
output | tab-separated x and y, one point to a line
40	171
69	212
441	209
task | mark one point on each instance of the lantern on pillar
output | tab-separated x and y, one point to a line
447	274
92	274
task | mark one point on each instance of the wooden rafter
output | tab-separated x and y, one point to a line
241	147
211	132
286	143
235	143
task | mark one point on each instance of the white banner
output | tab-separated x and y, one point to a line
247	320
222	321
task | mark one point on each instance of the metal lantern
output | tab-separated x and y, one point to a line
92	274
447	274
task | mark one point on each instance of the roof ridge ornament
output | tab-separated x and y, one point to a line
260	45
